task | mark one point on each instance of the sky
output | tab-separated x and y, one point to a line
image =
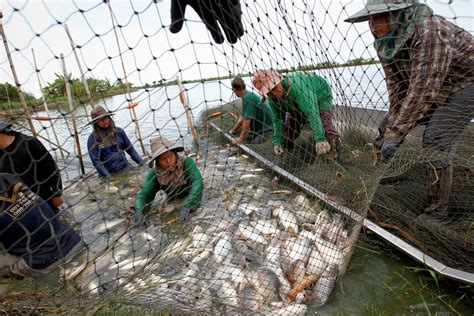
279	34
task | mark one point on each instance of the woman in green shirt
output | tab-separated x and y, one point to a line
173	173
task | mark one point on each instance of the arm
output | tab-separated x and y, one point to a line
147	193
307	100
128	147
47	172
245	130
277	125
237	125
430	61
94	155
197	186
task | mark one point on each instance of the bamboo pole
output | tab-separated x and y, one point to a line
132	110
17	82
44	102
83	77
73	117
184	100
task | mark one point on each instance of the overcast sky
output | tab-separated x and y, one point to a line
289	34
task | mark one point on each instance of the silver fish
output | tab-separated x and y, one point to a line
325	285
287	219
248	232
223	249
265	227
266	284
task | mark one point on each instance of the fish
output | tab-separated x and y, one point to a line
324	287
228	294
286	219
299	249
233	274
329	252
223	249
316	264
201	240
248	232
290	309
266	283
296	272
265	227
259	193
160	201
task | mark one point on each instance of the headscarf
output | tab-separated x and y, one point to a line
106	135
403	24
173	176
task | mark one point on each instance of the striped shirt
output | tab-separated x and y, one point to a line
438	60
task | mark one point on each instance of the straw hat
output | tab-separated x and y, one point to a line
265	80
99	113
378	6
160	145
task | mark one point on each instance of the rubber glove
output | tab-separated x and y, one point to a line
183	214
389	148
278	150
322	148
227	12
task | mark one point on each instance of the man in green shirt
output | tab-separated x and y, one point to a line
256	119
297	99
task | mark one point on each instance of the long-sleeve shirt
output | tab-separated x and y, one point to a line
192	190
305	94
110	160
439	60
27	158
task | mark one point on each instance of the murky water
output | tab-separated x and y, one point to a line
379	280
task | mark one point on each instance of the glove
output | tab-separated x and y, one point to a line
139	220
389	147
183	214
278	150
227	12
322	148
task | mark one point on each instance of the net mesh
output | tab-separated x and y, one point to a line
256	243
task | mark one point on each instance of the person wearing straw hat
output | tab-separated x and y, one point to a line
256	120
297	99
173	173
429	69
27	158
107	144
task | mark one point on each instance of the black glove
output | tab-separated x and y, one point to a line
183	214
227	12
389	148
139	220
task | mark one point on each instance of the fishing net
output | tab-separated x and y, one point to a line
272	234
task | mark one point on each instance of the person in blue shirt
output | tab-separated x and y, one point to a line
107	145
33	240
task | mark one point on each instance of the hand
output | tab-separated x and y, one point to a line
183	214
139	220
57	201
278	150
322	148
227	12
389	148
236	141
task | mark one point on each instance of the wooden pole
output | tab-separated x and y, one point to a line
73	117
44	101
83	77
17	82
132	110
184	100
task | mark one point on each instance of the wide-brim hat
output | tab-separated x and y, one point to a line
160	145
378	6
99	113
265	80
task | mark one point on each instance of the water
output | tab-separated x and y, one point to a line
378	280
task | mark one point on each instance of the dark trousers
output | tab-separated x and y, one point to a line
294	124
447	123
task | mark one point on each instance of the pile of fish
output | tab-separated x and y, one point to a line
250	248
